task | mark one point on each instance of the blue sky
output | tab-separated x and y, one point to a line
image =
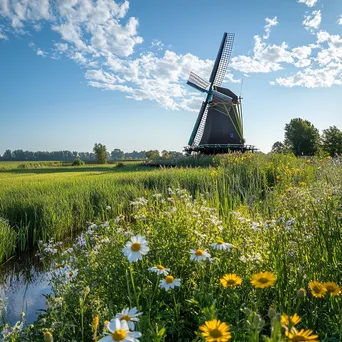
77	72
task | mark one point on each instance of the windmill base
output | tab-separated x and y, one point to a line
219	149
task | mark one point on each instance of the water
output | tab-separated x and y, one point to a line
24	281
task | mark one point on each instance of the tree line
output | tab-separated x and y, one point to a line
303	139
99	151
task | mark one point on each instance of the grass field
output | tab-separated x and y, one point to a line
272	213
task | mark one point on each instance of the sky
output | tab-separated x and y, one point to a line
78	72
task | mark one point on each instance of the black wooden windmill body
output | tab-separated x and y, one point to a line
219	126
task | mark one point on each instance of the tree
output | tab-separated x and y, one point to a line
332	140
100	152
278	147
7	155
117	154
302	137
152	154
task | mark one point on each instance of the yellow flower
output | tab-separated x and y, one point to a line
332	288
303	335
48	336
287	320
230	280
95	322
263	279
215	331
317	289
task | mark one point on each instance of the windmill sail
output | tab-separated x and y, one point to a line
197	82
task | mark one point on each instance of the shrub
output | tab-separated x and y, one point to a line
78	162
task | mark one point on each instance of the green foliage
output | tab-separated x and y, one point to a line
78	162
332	141
117	154
100	152
302	137
8	240
152	154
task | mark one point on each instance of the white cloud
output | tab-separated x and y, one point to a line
309	3
157	44
314	78
313	20
339	22
40	52
269	25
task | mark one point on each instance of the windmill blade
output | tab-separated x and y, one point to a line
197	82
197	132
222	59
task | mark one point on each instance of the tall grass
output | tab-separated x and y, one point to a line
52	203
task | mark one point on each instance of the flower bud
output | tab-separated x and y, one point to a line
301	293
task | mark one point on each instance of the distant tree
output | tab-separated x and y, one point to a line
332	140
117	154
278	147
152	154
100	152
165	154
302	137
7	156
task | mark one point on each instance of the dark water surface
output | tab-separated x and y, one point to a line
24	281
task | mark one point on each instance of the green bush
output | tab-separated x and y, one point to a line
78	162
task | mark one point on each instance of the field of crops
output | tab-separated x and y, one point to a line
253	241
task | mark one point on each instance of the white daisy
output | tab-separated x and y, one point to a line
119	331
160	270
222	246
199	254
136	248
130	316
169	282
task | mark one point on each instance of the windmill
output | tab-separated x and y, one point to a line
219	126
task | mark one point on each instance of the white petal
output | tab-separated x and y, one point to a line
130	325
136	334
114	324
106	339
123	325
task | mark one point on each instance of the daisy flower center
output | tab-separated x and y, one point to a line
169	279
220	242
231	282
298	338
199	252
330	288
125	318
160	267
215	333
135	247
264	280
316	289
119	335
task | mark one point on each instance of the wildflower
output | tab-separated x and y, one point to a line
169	282
130	316
160	270
108	207
317	289
48	336
263	279
230	280
199	254
95	322
332	288
221	245
215	331
301	293
136	248
119	331
302	335
287	320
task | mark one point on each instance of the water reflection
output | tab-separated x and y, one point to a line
24	280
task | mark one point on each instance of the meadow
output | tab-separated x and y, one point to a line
253	241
